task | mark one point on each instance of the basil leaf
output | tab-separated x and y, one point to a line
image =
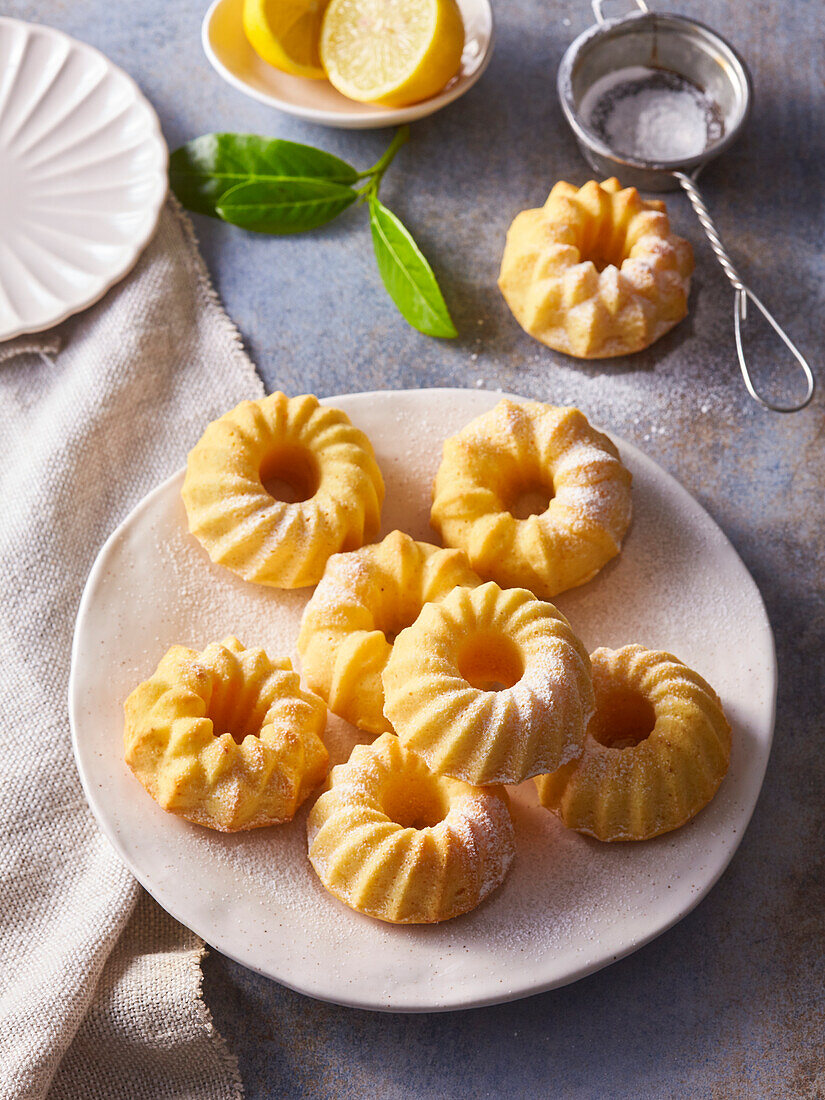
284	206
408	277
202	171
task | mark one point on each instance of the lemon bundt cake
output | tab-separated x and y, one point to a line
657	749
226	738
298	449
596	272
363	600
515	459
489	686
396	842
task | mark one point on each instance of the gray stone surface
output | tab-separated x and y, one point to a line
730	1002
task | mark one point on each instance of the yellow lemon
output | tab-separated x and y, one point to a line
285	34
393	52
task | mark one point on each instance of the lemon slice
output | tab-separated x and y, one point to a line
285	34
393	52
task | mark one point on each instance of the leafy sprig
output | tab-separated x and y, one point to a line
272	186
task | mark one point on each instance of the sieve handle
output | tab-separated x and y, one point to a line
740	302
596	5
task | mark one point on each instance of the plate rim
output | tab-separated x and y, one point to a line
586	968
379	118
155	134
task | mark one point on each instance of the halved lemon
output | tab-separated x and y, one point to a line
285	34
393	52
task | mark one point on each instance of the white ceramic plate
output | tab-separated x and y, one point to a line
231	55
570	904
83	176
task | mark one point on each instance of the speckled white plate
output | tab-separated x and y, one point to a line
82	176
231	55
570	904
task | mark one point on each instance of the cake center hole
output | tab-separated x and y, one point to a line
237	730
532	500
290	474
238	735
490	662
414	803
398	619
233	713
601	259
623	718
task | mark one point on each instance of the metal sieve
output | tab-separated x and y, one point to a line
673	44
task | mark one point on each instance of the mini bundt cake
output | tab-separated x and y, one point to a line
596	271
489	686
226	738
310	452
396	842
364	599
535	454
657	749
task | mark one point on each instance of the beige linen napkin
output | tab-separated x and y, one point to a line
99	988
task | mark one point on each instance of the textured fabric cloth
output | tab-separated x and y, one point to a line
39	343
99	988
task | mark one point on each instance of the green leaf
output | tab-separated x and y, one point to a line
408	277
285	206
205	169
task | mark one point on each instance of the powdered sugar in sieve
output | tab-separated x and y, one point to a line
652	114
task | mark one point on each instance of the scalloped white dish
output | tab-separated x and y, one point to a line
84	176
231	55
570	904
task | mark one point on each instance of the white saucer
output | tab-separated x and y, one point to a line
570	904
83	176
231	55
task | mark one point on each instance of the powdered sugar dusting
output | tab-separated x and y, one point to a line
652	114
486	829
568	903
587	477
345	581
605	505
